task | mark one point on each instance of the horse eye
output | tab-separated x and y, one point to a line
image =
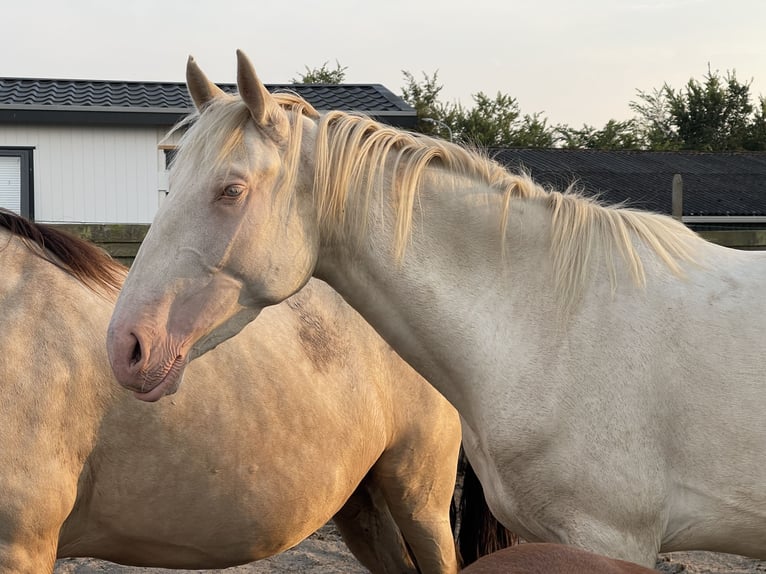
233	190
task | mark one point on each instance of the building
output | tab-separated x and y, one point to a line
75	151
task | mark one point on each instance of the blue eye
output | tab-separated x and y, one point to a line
233	190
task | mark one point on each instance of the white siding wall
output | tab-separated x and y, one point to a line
92	174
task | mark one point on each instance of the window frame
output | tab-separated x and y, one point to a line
27	177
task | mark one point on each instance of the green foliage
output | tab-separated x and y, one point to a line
322	75
535	132
490	122
653	121
424	97
713	115
755	138
614	135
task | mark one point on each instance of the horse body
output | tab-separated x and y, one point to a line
545	400
605	362
228	471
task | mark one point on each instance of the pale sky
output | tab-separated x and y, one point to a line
576	61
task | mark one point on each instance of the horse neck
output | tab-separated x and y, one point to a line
450	285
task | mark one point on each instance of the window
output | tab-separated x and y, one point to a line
16	181
170	155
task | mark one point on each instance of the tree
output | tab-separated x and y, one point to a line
713	115
424	97
653	121
322	75
535	132
755	138
490	122
614	135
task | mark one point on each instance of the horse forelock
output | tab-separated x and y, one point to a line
211	136
79	258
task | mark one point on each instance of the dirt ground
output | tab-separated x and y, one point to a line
325	553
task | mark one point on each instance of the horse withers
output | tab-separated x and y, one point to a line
305	417
606	362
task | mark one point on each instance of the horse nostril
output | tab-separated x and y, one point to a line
135	357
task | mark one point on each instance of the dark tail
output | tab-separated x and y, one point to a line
477	531
78	257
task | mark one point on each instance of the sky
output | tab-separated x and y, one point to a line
574	61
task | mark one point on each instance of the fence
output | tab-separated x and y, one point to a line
119	240
122	241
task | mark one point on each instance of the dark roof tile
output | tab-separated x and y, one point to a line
20	94
714	183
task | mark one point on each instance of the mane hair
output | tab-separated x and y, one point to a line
356	156
352	152
79	258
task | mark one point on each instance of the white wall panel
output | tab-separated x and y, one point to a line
92	174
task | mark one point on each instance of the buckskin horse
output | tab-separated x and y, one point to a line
302	418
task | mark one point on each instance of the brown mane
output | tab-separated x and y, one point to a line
79	258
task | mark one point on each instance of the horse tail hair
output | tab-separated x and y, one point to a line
477	532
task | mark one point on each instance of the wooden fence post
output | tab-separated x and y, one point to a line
677	201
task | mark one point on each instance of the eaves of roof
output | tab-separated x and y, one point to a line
26	100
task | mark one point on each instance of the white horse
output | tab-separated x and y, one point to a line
607	363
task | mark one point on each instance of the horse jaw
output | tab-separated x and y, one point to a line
226	331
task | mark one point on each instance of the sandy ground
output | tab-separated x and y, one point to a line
325	553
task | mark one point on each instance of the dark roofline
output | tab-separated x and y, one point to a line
72	102
72	115
62	115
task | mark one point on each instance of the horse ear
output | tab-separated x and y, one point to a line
263	108
251	90
201	90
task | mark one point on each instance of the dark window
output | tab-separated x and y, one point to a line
170	155
17	181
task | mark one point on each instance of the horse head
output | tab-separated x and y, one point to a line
235	213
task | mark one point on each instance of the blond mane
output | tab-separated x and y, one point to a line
354	153
357	157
